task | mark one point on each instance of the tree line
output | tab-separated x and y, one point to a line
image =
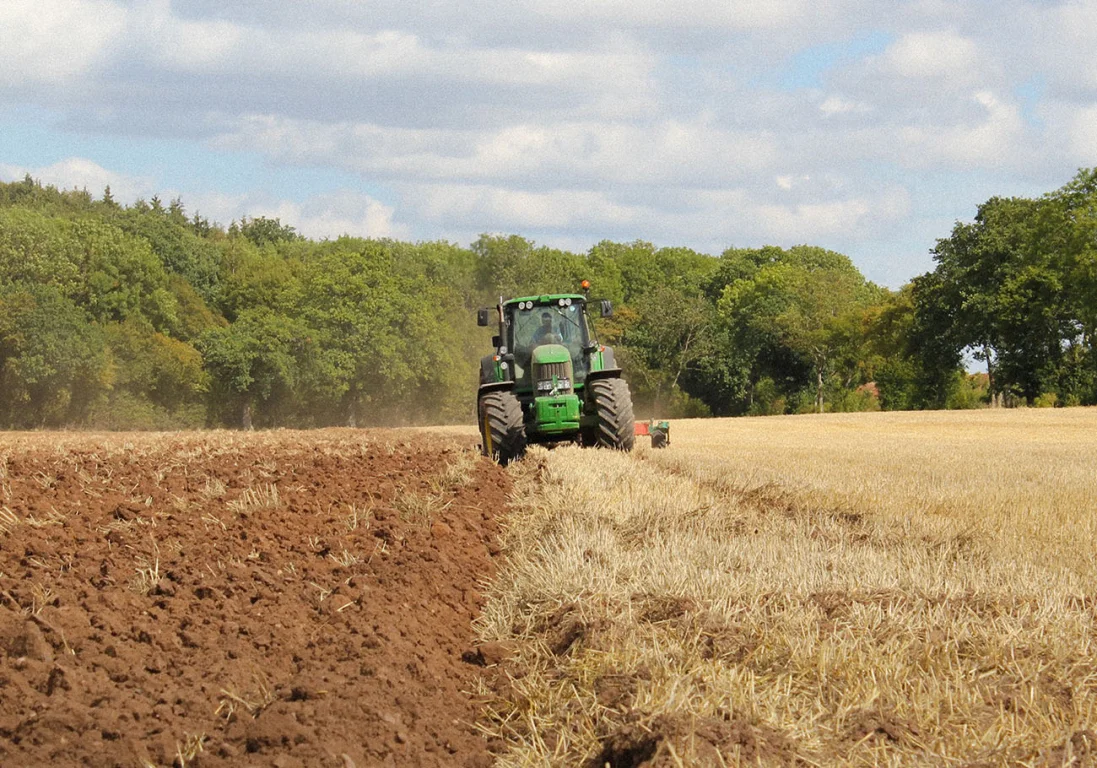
145	316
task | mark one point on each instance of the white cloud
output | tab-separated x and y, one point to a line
331	215
942	54
51	41
316	54
1083	134
81	173
710	219
182	44
1073	40
494	208
860	216
696	152
570	120
730	14
993	141
836	105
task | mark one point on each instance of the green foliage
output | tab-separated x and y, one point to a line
1016	289
178	248
263	231
123	278
967	391
142	316
1046	400
52	359
394	343
766	399
192	315
165	371
796	313
514	266
673	334
255	278
39	249
254	365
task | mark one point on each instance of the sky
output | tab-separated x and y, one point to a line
865	126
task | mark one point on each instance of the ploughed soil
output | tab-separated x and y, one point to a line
206	599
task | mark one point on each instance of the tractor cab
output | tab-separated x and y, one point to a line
552	336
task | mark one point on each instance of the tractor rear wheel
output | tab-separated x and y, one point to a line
611	401
502	430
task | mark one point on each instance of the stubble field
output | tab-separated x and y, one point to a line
876	589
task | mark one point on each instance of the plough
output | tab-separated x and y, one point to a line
658	431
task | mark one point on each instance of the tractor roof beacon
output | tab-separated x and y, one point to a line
549	380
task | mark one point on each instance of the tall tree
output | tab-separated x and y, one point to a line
52	358
798	301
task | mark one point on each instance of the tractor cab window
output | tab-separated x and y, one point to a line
533	325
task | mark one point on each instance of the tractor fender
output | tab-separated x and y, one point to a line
605	373
609	366
494	386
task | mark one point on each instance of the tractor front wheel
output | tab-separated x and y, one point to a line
502	430
611	401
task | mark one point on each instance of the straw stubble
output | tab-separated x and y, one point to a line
876	589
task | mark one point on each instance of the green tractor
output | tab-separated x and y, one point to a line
549	380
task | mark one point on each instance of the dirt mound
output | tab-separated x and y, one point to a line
208	599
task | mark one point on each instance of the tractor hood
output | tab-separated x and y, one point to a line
551	353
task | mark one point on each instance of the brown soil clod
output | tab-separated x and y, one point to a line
880	724
565	628
489	654
630	747
615	691
658	608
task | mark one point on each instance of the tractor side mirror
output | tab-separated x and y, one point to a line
496	340
607	308
483	316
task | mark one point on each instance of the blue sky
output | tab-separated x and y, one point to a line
866	127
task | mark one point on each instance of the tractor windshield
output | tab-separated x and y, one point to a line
532	325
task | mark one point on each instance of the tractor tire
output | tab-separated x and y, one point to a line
659	439
611	401
502	430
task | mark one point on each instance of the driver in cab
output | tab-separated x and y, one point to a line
545	334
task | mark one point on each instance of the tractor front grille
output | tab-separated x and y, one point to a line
549	376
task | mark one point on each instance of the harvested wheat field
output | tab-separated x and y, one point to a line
870	589
203	599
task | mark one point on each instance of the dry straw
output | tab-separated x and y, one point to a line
879	589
